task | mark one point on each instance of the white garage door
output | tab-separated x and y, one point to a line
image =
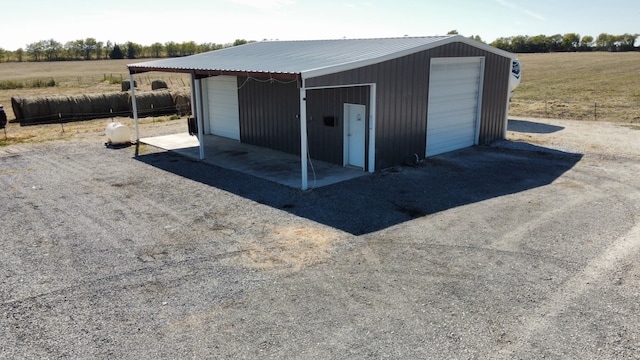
224	116
453	114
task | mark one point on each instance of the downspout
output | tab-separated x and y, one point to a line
304	147
134	106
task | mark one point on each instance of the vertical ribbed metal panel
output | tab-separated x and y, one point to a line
326	142
402	99
401	105
495	97
269	114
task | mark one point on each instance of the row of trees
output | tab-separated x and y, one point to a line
567	43
91	49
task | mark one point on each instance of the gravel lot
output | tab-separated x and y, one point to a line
526	249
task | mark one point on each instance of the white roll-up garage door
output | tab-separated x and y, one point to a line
224	115
455	89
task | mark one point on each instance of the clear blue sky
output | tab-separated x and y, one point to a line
222	21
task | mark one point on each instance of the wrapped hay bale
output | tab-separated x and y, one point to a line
39	109
16	105
35	109
95	106
92	106
61	107
182	103
158	84
153	103
118	104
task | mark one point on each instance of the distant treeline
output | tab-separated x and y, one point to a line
567	43
91	49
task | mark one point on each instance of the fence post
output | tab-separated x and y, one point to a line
595	111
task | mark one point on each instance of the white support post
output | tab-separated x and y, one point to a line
304	147
134	106
197	104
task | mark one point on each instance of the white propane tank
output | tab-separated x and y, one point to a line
514	77
117	134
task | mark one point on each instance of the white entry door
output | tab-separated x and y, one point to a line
455	90
354	135
224	115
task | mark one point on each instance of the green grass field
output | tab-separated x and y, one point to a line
583	86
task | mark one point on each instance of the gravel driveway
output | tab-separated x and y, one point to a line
520	250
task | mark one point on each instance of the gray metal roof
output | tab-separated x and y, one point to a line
308	58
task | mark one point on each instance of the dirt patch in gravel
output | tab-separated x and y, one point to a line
291	247
584	137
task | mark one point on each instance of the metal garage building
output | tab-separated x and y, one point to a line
363	103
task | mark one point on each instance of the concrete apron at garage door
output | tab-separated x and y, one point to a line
272	165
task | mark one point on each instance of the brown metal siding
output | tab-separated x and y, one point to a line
326	142
401	105
269	114
402	96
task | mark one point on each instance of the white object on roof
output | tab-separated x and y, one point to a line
514	77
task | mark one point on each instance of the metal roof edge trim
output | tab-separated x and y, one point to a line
484	46
322	71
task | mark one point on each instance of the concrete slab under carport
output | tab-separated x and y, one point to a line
268	164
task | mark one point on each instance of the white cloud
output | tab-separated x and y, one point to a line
526	11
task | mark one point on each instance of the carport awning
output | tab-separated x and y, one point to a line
204	73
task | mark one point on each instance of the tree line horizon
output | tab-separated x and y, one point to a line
91	49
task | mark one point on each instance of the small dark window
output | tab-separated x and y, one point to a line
329	120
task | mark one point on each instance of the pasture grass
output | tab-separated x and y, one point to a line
36	83
597	86
113	79
11	84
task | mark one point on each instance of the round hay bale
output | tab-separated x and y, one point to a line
152	103
118	104
61	107
126	85
158	84
182	103
35	109
83	106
